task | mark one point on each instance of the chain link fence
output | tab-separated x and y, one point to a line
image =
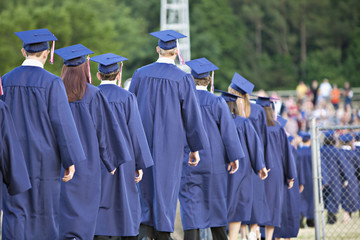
336	181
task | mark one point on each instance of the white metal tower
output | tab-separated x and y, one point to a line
175	16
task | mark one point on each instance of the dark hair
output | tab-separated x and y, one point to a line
75	80
202	81
233	108
109	76
269	113
330	141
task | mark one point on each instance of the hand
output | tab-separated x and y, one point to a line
301	188
113	172
194	158
290	183
263	174
69	173
138	175
233	166
345	184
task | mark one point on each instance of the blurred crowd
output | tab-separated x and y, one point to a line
328	103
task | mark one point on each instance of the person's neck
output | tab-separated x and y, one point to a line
170	57
39	59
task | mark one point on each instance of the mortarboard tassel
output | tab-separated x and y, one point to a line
181	59
121	66
88	64
212	82
1	87
51	60
242	108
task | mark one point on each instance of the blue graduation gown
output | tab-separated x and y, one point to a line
120	209
103	142
12	163
169	110
307	197
203	189
290	215
38	104
350	201
284	168
240	185
260	209
331	177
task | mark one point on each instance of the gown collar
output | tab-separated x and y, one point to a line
204	88
33	63
165	60
108	82
345	147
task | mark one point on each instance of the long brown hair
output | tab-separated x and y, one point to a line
75	79
269	113
241	101
233	108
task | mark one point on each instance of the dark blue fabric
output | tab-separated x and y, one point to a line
13	171
307	196
120	209
290	215
331	177
350	194
240	184
48	137
102	141
203	189
284	169
169	110
260	210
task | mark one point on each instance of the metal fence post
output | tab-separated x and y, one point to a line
315	174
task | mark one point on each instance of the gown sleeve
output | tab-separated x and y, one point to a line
191	115
255	148
63	124
228	132
143	158
13	167
112	145
289	161
265	139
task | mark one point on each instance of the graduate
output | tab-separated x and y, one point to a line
102	140
331	176
48	138
169	110
13	172
240	184
350	191
290	215
284	171
203	189
303	156
120	209
260	208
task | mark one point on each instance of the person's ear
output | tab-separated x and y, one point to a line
118	76
45	54
157	49
98	75
176	51
23	52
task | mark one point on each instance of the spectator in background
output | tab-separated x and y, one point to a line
325	89
335	96
348	94
314	91
301	91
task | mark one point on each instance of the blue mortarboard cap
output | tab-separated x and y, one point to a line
304	135
36	40
357	136
201	67
290	138
263	101
108	62
228	97
329	134
167	38
240	84
73	55
346	137
282	121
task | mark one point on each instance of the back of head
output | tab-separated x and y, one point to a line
242	102
75	79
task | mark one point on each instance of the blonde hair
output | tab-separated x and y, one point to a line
244	101
167	53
